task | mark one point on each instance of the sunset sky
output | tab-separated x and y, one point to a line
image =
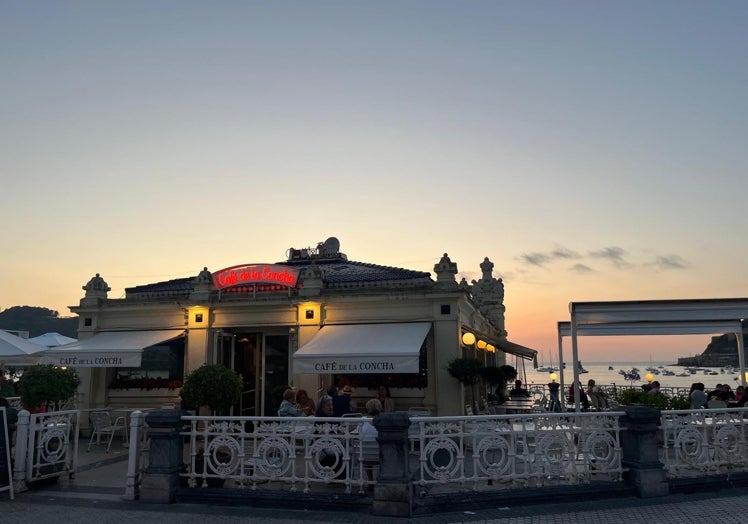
591	150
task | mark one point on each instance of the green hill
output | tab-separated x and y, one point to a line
37	321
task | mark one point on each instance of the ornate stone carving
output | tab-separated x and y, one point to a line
312	281
445	273
488	294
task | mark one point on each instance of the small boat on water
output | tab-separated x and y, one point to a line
610	368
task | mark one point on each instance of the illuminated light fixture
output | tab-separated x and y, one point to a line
481	344
553	377
490	348
649	377
468	338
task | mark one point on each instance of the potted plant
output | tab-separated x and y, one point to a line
467	371
218	388
214	386
46	385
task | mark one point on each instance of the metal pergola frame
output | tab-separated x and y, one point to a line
652	317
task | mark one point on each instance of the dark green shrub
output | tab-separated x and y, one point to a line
214	386
466	370
630	396
42	385
679	402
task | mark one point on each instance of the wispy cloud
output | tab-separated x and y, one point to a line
667	262
582	268
564	253
614	254
535	259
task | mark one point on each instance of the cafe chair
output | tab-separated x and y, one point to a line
103	427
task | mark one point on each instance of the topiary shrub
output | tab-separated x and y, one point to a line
44	385
468	371
214	386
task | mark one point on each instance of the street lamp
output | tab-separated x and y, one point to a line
553	387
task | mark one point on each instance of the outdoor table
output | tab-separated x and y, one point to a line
516	405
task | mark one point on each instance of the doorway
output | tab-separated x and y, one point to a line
262	360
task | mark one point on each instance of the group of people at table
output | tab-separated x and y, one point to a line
699	397
334	403
722	392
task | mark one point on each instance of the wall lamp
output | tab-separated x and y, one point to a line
468	338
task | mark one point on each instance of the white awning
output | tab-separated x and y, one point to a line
363	348
516	349
108	349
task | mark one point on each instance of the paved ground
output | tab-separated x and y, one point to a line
95	496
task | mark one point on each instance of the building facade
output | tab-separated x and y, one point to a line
309	321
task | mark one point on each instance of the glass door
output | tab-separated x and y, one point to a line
247	359
275	372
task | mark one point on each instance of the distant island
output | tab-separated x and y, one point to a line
721	351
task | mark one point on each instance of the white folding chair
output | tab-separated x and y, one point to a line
103	426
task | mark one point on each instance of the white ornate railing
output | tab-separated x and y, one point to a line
509	451
704	441
293	452
52	444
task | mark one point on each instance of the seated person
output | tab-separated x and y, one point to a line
740	396
287	407
654	388
597	396
727	392
342	403
324	408
698	397
518	390
582	396
304	403
370	446
373	408
383	395
502	395
717	394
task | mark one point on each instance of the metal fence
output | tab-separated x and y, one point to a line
276	452
46	445
512	451
703	442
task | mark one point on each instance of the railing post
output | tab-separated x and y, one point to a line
19	458
161	478
132	485
640	452
393	491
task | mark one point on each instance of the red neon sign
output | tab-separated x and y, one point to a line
255	274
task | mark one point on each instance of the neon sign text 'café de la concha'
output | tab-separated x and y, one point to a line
248	274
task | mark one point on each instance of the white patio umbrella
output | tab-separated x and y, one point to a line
52	339
16	351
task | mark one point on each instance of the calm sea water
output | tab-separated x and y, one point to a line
602	375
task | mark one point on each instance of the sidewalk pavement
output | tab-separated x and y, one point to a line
95	494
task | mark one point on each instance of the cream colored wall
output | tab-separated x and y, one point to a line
444	395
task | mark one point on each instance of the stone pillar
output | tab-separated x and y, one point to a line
393	492
161	479
22	440
640	452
